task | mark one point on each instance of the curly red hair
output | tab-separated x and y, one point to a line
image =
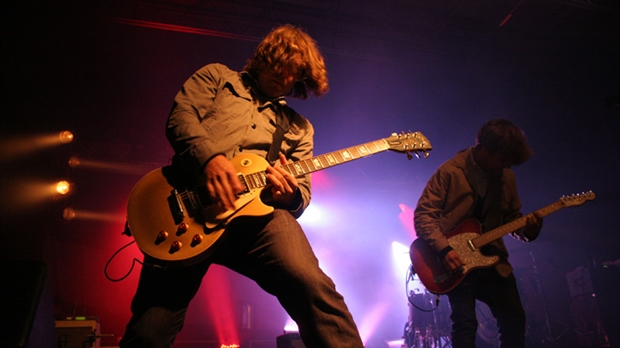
290	48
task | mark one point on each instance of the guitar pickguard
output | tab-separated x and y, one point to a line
471	257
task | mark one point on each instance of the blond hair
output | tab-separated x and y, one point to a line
290	48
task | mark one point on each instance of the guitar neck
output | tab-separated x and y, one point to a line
335	158
328	160
411	142
565	201
512	226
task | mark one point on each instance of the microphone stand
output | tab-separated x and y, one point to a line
548	333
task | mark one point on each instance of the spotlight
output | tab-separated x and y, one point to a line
400	255
63	187
316	215
74	162
125	168
65	137
290	326
68	214
20	146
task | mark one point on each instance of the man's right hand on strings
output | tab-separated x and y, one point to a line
222	182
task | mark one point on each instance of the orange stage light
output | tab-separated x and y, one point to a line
21	146
63	187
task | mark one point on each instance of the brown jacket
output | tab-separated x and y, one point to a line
450	197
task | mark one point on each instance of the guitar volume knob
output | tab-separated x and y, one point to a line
182	228
197	239
161	236
175	246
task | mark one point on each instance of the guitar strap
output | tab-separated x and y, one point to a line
282	120
478	210
282	126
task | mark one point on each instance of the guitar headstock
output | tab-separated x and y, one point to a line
577	199
410	142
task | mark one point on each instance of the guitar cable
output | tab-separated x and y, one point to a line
133	262
410	276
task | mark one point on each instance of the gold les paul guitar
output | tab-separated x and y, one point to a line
467	240
175	221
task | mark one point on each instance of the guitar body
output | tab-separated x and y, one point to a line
184	227
429	268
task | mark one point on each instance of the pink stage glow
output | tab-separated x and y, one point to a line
371	321
220	306
406	218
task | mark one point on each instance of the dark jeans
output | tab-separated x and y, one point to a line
274	252
502	297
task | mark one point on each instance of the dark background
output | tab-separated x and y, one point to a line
108	71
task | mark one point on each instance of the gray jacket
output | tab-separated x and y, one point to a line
451	196
217	111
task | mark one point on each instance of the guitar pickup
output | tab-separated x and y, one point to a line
176	206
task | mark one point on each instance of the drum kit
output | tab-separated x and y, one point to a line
429	323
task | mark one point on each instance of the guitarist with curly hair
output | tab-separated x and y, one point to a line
217	115
478	184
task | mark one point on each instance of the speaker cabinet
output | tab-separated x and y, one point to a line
78	333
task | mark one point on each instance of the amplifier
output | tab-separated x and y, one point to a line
78	332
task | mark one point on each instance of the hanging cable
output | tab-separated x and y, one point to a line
133	264
410	277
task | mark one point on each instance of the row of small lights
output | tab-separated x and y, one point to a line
63	187
19	147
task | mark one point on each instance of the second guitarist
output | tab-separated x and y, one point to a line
478	183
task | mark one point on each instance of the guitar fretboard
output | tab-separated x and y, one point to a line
310	165
492	235
512	226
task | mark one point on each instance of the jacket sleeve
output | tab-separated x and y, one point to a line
429	210
184	130
298	145
303	151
